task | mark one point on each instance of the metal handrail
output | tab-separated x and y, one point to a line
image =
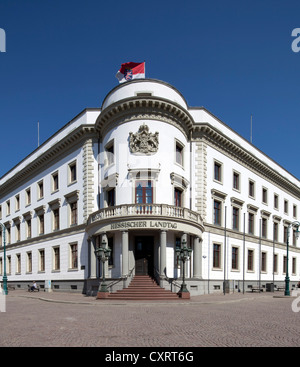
116	281
171	281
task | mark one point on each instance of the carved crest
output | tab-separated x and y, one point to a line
143	141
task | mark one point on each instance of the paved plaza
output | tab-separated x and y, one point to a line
73	320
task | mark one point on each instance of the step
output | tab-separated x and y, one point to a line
143	287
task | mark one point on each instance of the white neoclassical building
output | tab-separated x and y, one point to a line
144	174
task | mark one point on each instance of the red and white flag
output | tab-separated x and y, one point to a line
131	70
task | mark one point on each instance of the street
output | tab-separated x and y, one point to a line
73	320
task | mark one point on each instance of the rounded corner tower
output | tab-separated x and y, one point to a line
145	176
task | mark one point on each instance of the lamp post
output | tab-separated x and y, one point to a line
183	254
103	254
287	279
5	291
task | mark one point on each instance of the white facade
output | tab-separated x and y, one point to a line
149	172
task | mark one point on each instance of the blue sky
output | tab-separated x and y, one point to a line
232	57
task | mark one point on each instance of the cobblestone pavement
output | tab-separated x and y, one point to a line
70	319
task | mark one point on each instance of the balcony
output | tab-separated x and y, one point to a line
146	211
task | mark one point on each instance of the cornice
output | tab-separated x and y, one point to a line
47	237
235	151
233	234
146	107
45	158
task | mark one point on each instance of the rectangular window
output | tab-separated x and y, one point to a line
235	218
144	192
294	237
275	263
9	264
264	261
295	211
275	231
55	183
217	212
293	265
28	196
8	235
235	258
111	194
56	258
236	181
285	234
17	202
74	216
218	171
286	206
109	152
250	260
72	172
18	232
275	201
216	255
74	256
264	223
41	224
41	260
28	225
55	219
144	195
284	264
40	190
8	207
177	197
29	262
179	154
250	223
18	263
264	195
251	189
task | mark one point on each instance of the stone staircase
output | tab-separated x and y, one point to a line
143	287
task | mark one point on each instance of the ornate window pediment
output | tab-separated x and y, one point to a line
179	181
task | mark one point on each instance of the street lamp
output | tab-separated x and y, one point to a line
5	291
183	254
287	279
103	254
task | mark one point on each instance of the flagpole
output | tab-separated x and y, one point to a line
251	130
145	68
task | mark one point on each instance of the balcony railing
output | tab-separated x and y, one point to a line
145	210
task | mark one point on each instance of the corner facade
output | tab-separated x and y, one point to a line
144	173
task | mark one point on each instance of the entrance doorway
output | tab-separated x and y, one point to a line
144	264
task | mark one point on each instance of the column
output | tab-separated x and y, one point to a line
197	257
104	238
125	270
93	262
163	253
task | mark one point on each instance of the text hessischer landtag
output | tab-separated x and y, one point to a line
144	224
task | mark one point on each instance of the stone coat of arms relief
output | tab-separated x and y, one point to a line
143	141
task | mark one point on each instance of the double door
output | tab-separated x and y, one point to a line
144	264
